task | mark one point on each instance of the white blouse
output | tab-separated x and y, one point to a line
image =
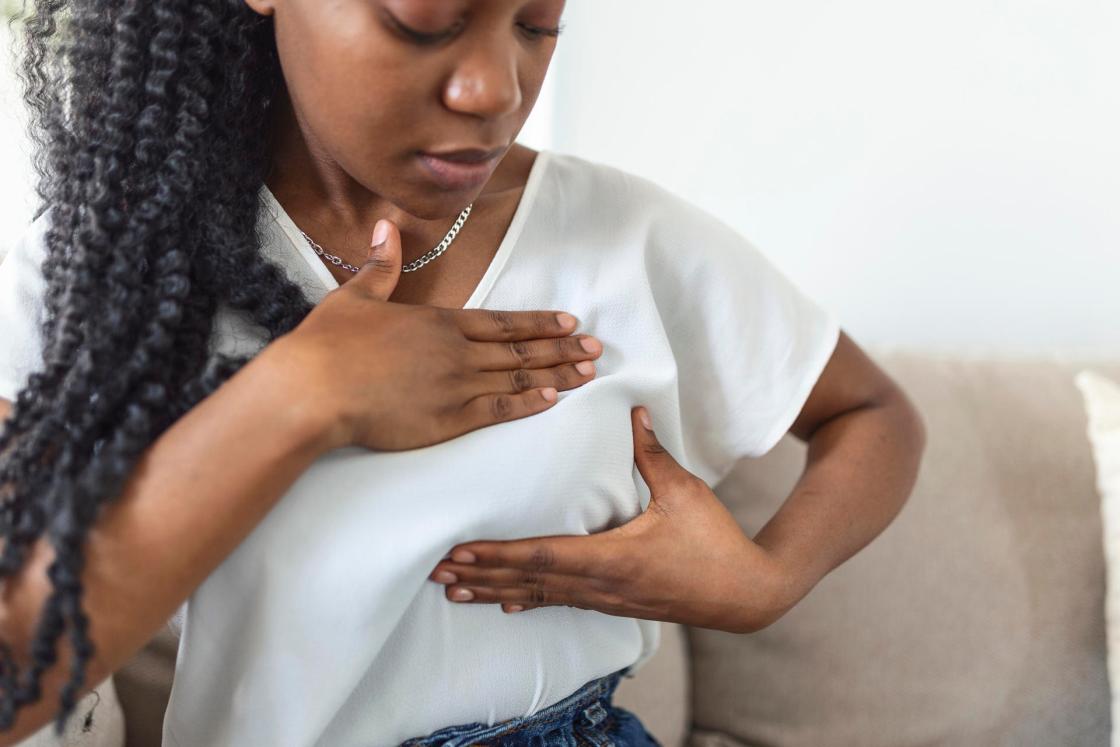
322	627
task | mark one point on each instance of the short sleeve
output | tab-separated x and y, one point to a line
22	293
748	342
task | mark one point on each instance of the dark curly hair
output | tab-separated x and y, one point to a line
147	119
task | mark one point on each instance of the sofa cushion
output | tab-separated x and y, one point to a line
143	687
658	692
975	618
1102	405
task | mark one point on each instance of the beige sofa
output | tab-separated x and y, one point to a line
976	618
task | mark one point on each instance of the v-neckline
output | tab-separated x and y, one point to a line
505	248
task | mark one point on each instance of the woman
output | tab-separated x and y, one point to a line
381	530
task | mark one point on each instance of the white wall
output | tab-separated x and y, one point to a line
943	175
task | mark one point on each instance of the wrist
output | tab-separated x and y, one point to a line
306	415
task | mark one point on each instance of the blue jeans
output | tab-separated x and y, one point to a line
586	717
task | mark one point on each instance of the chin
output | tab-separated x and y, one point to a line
434	204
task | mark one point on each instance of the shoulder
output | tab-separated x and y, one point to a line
683	247
622	197
605	184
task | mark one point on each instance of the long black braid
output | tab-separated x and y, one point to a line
147	119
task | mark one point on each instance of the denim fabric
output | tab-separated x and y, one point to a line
584	718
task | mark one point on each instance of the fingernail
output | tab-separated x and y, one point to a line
549	393
643	415
462	595
446	577
463	556
590	344
380	232
566	320
514	608
585	367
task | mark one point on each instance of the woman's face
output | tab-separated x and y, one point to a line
369	96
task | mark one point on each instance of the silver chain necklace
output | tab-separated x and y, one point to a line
416	264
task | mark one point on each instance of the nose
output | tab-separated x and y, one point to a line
485	82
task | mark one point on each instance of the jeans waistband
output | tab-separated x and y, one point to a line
589	702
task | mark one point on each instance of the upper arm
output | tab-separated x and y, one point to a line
850	380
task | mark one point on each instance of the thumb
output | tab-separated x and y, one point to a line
656	465
381	271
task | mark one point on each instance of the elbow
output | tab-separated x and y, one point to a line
915	425
908	423
909	431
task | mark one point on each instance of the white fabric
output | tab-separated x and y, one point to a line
322	629
1102	404
21	308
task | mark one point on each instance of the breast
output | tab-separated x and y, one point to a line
335	576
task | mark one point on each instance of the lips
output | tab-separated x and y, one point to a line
466	155
460	170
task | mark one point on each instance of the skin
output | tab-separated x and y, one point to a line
363	98
685	559
682	560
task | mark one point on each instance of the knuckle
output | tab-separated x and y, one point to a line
442	315
381	264
614	599
502	320
693	482
529	578
563	375
541	558
521	380
545	324
501	406
685	484
522	352
621	569
538	596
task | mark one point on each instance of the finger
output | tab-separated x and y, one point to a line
488	409
503	356
656	465
506	326
524	597
381	271
585	599
561	378
467	575
573	555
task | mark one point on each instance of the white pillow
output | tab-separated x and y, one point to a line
106	729
1102	403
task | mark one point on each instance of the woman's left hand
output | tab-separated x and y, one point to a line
684	559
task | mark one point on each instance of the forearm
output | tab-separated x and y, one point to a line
860	469
193	496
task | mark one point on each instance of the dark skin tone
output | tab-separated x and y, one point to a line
364	97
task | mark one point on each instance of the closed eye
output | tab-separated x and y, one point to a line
424	38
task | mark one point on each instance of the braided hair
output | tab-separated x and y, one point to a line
147	121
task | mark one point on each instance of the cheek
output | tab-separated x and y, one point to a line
358	91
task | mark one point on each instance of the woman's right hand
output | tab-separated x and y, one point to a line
392	376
